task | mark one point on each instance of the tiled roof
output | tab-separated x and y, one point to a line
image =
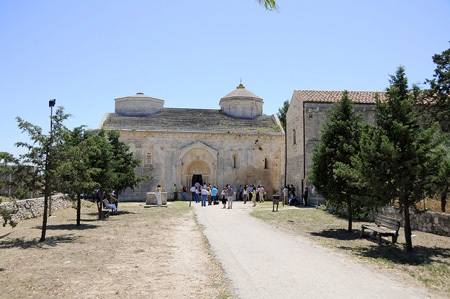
331	96
192	121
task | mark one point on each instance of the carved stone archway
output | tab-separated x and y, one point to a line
198	159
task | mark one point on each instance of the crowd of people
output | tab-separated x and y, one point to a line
208	194
290	197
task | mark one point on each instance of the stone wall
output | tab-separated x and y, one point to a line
32	208
425	221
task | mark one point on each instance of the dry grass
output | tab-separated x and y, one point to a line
139	253
428	265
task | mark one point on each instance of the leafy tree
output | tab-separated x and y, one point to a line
396	151
268	4
74	174
124	165
332	158
42	156
282	114
6	171
436	103
101	157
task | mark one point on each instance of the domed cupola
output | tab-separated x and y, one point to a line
241	103
138	105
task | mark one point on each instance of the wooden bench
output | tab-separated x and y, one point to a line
106	213
384	226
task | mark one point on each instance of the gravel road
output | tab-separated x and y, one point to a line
262	262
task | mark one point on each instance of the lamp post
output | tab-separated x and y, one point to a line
51	104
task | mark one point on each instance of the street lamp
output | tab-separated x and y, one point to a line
51	104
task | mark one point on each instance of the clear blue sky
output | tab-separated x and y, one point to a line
191	53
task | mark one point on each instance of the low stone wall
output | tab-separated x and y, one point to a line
425	221
34	207
430	222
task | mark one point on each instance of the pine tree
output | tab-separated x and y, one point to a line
396	152
282	114
333	157
42	155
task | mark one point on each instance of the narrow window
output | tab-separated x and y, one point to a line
266	163
294	137
235	161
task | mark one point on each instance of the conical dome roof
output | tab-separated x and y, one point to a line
241	103
240	92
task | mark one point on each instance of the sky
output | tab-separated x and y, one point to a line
191	53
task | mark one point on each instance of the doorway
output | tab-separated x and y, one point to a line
197	178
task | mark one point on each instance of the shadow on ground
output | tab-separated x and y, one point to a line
26	244
396	253
112	214
338	234
68	227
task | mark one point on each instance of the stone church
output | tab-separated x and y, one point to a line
235	144
307	113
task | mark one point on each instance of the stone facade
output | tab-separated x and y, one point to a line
307	113
33	208
185	146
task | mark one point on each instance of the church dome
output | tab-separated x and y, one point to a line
138	105
241	103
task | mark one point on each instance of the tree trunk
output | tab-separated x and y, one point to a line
444	200
350	216
407	229
44	218
78	210
100	206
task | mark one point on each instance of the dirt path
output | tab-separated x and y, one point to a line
140	253
262	262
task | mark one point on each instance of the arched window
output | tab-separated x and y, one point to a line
235	161
148	159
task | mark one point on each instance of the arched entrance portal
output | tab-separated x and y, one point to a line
198	164
197	172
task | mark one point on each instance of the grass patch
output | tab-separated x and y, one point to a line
428	265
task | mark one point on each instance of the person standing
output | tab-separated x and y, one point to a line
214	194
253	196
230	195
285	195
184	193
261	193
240	192
208	195
204	194
175	195
158	195
224	197
257	193
245	194
193	191
305	196
292	190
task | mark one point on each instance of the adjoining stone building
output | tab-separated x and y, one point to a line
235	145
307	113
